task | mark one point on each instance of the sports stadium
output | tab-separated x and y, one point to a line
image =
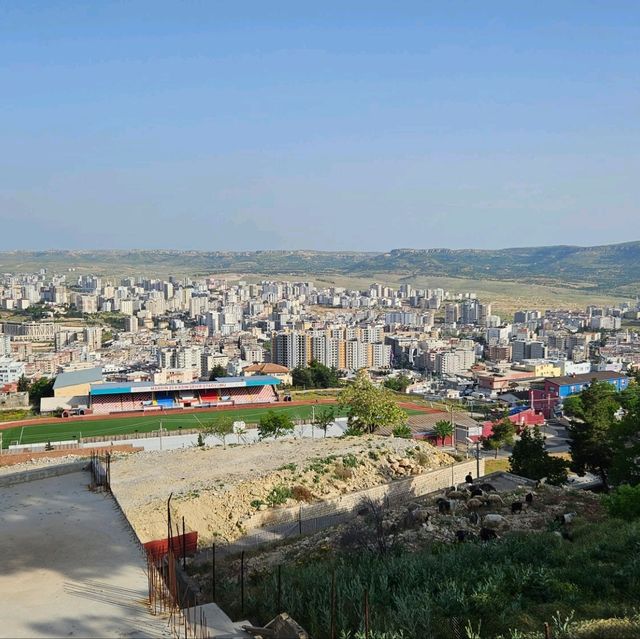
115	397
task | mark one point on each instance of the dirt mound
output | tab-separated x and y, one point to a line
220	492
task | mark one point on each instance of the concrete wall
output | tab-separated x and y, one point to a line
14	401
75	389
396	492
40	473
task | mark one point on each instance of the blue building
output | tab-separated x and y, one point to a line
574	384
557	388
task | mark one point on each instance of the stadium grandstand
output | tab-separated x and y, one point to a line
115	397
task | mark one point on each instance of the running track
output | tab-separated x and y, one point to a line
183	411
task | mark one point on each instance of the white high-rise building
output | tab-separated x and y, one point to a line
5	346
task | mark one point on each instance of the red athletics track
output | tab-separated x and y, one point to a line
81	418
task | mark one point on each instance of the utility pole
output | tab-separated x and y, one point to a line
160	434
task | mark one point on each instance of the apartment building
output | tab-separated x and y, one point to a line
30	331
10	370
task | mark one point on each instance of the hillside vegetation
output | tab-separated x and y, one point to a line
595	268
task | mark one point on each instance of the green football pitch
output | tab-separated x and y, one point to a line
66	429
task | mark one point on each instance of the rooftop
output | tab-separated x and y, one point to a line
84	376
265	368
600	376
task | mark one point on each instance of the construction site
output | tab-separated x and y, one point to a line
99	546
184	542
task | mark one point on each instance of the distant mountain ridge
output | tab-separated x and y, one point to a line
607	267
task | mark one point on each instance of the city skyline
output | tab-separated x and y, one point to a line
360	127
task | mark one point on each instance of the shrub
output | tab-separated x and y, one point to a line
278	495
302	493
434	584
292	467
342	473
350	461
256	503
624	502
373	455
317	466
422	457
402	430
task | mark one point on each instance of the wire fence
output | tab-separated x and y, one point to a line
169	592
286	523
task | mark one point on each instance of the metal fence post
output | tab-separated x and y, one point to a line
366	614
213	572
279	598
333	603
184	546
242	583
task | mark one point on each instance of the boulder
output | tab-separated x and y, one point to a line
494	521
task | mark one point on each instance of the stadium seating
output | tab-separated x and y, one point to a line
138	401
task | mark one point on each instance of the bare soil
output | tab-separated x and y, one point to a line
218	491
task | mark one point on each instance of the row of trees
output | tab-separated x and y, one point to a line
605	430
367	407
272	424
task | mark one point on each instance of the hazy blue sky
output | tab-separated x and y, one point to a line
329	125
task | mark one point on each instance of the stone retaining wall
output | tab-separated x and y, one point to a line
394	492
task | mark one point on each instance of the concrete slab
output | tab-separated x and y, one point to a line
219	625
69	566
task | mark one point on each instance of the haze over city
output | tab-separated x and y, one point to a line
357	126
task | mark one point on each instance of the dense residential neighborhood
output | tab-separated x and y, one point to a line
449	345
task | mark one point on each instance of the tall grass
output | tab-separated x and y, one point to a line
517	583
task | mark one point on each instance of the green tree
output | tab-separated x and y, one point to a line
625	440
23	384
369	407
324	418
624	502
592	416
316	375
398	384
217	371
530	459
40	388
275	425
502	434
221	428
443	429
323	376
302	378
